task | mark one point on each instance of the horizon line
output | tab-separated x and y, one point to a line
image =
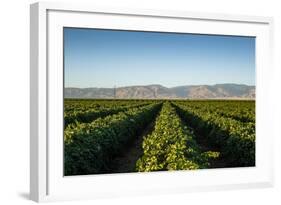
161	85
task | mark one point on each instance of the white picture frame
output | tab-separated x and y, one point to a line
47	182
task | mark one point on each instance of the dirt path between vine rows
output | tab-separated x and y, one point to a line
126	162
205	146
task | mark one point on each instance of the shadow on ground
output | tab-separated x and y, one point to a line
24	195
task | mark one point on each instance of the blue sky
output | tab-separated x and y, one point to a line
108	58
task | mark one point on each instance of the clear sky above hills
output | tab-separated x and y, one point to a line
108	58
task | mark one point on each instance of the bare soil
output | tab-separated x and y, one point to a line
126	161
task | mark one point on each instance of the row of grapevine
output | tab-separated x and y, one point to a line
235	138
243	111
90	147
82	105
171	146
94	113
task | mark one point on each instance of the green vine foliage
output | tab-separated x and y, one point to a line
85	113
96	131
171	146
90	147
235	138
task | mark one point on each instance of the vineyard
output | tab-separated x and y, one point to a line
117	136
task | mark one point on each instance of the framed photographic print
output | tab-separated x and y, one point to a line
127	102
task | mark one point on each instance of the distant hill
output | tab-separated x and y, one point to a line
218	91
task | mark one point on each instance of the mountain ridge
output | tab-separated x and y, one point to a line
157	91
